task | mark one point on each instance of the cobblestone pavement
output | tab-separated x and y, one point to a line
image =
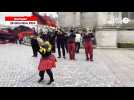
111	68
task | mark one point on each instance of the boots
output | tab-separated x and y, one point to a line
49	72
50	82
41	74
40	80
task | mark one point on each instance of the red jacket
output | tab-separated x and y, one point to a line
20	35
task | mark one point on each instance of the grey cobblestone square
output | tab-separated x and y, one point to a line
111	68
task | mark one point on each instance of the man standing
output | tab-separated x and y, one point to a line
66	39
78	40
35	45
60	39
52	40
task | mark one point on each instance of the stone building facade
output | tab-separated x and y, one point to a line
109	27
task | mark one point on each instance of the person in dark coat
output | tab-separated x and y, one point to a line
88	45
52	40
47	62
20	37
66	39
34	31
35	45
45	36
60	39
71	45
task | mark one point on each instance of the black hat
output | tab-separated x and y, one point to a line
71	30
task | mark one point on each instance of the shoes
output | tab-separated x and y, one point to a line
91	60
40	80
77	51
50	82
72	59
59	57
34	56
64	57
87	59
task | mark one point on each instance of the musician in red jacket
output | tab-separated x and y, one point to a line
88	45
20	37
71	45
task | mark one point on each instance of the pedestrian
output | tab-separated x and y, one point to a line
71	45
35	45
66	39
60	40
45	36
77	41
88	45
93	37
52	40
20	37
34	31
17	39
47	62
41	32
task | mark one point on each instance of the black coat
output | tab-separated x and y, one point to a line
34	43
52	37
60	38
88	37
71	38
45	37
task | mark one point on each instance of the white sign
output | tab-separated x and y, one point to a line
126	20
119	21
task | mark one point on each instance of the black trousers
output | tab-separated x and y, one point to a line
77	47
49	72
53	47
66	47
20	41
61	45
35	50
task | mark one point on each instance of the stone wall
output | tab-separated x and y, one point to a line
69	19
102	18
106	38
126	36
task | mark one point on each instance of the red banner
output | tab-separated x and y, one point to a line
24	18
